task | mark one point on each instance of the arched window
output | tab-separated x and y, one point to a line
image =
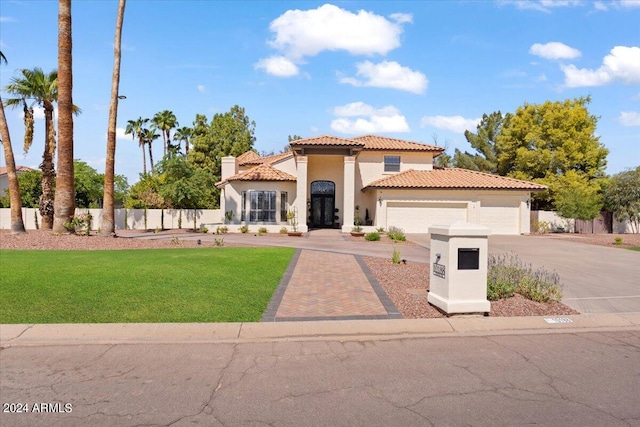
323	188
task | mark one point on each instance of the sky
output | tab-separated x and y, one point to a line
415	70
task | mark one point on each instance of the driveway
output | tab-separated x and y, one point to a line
595	279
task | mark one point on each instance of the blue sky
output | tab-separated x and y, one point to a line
410	69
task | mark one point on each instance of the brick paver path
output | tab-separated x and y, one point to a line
326	284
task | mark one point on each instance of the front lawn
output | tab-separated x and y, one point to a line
155	285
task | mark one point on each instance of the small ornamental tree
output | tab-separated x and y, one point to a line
622	197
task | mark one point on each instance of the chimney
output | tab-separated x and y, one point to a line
229	167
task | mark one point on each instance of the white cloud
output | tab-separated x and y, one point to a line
278	66
368	119
201	88
554	50
38	113
622	64
121	135
388	74
629	118
315	129
402	18
301	33
541	5
600	6
628	4
457	124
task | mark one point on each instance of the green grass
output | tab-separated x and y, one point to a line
634	248
158	285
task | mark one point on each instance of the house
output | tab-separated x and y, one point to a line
4	176
329	181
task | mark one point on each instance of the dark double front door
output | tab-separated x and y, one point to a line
323	203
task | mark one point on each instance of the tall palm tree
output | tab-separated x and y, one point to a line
165	121
135	127
148	136
65	197
17	224
183	134
108	207
42	90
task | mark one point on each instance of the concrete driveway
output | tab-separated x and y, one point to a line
595	279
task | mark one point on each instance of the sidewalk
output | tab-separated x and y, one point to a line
352	330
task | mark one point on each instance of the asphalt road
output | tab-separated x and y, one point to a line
580	379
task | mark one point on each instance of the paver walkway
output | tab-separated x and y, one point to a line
328	286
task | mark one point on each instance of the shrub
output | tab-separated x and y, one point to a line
222	230
283	230
542	227
395	258
372	237
204	230
507	275
397	234
380	230
219	242
262	230
617	241
244	229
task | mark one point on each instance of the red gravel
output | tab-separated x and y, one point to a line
407	284
598	239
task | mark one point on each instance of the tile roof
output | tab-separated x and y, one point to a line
451	179
263	172
326	140
375	142
248	156
3	169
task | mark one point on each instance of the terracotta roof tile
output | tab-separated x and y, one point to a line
3	169
247	157
264	172
375	142
453	178
326	140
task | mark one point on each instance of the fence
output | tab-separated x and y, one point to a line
605	223
132	219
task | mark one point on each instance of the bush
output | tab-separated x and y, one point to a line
397	234
284	230
222	230
244	229
262	230
372	237
204	230
507	275
395	258
541	227
617	241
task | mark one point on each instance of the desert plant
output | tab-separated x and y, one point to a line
222	229
283	230
617	241
292	217
175	241
396	234
219	242
203	230
372	237
356	220
395	257
262	230
244	229
380	230
542	227
507	275
228	215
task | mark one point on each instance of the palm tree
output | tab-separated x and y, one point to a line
165	121
148	136
183	134
135	127
108	209
17	224
42	90
65	198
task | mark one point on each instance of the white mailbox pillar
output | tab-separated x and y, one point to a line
458	282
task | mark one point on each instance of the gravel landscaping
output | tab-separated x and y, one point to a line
598	239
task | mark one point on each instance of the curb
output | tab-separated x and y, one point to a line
353	330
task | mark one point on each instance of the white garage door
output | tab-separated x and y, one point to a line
501	215
415	217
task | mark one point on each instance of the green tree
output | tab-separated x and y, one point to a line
228	134
165	121
484	143
135	128
148	136
144	194
543	142
444	160
575	197
184	186
89	185
622	197
30	184
183	134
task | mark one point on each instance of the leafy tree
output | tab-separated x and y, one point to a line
184	186
89	185
622	197
64	203
107	225
543	142
575	197
145	194
484	143
30	190
228	134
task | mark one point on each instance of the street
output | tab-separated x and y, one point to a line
545	378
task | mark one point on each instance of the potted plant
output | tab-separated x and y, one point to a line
292	218
357	229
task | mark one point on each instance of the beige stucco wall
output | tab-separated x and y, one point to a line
287	165
328	168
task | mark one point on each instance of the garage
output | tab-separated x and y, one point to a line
501	215
417	217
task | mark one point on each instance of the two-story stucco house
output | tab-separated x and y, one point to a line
330	180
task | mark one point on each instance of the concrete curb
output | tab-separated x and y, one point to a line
353	330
